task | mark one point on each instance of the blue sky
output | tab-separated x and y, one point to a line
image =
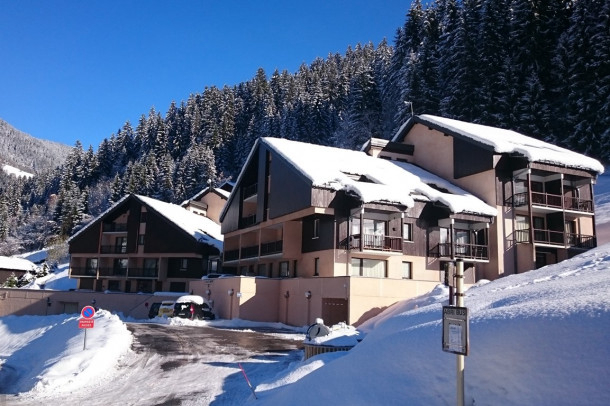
77	70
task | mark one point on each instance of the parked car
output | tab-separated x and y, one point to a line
166	309
193	307
153	310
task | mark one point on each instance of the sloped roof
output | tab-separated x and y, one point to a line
373	179
17	264
503	141
199	227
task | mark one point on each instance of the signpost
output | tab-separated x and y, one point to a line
455	330
86	321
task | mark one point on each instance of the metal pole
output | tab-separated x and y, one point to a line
459	289
85	342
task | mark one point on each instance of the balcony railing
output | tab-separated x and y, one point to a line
83	271
270	248
374	242
122	272
550	200
231	255
113	249
466	251
142	273
559	238
577	204
249	252
247	221
114	227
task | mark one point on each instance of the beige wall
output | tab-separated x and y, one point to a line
265	299
433	150
256	299
23	301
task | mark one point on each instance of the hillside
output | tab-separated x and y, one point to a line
29	154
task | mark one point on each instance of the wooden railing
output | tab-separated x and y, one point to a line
551	200
466	251
114	227
274	247
374	242
557	238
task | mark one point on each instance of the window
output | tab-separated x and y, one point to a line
92	264
462	241
184	264
120	266
213	266
261	270
143	217
407	232
141	239
316	267
522	229
407	270
372	268
121	245
284	270
150	263
316	228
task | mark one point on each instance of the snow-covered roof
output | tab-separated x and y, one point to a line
17	264
222	192
508	142
373	179
200	227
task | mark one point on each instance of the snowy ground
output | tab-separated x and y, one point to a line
538	338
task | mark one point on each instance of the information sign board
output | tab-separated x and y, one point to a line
455	330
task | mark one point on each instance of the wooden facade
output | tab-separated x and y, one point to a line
135	248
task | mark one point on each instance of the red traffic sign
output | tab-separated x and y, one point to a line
88	312
86	323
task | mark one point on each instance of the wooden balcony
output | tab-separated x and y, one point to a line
142	273
559	238
113	272
270	248
113	249
551	201
114	227
83	271
463	251
374	242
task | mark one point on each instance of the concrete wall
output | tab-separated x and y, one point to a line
251	298
34	302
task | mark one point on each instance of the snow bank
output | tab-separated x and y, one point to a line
46	352
538	338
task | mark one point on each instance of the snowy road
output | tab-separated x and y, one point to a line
183	365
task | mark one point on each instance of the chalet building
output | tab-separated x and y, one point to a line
142	244
308	211
210	201
543	193
14	266
360	230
